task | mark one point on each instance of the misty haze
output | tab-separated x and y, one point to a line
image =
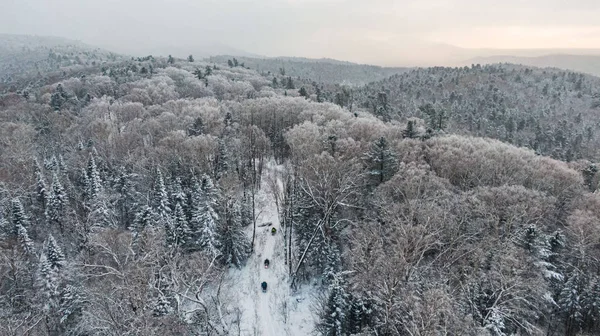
299	167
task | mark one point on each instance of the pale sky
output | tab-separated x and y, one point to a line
370	31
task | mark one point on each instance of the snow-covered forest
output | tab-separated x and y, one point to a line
137	198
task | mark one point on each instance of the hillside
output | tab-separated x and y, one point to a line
551	111
325	71
582	63
25	59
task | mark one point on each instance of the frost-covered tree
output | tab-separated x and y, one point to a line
56	211
160	197
179	233
94	182
19	217
235	244
333	317
569	302
380	161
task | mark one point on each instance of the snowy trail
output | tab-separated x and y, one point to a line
276	312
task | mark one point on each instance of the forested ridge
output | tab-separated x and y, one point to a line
126	194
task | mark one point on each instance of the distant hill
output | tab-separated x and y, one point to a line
26	56
554	112
322	70
583	63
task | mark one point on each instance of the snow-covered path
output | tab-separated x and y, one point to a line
276	312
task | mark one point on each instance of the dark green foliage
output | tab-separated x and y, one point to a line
410	132
303	92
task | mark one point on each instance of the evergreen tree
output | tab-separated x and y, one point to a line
208	71
410	132
222	160
332	321
179	233
198	74
381	161
19	217
290	84
54	254
197	128
590	302
24	241
41	189
230	63
209	236
275	83
72	303
190	58
57	204
160	200
171	60
235	62
94	187
128	196
436	118
570	305
177	193
303	92
235	245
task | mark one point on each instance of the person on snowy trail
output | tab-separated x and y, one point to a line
264	286
273	230
266	263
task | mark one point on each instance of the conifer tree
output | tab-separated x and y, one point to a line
235	244
24	241
94	187
19	217
332	322
569	302
160	200
410	132
57	204
197	128
42	194
381	161
180	233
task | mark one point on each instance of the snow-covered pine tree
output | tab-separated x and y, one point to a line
235	242
179	233
246	209
495	323
24	241
19	217
208	220
177	193
590	302
358	316
380	161
42	192
55	256
94	187
569	302
71	305
160	197
333	317
56	204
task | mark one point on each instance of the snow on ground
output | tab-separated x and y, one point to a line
277	312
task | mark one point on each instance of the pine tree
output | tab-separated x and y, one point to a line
290	84
209	238
177	193
180	233
160	200
55	256
197	128
222	164
94	187
128	196
230	63
235	245
570	305
303	92
381	161
71	304
590	302
41	189
190	58
170	60
57	204
24	241
19	217
332	322
410	132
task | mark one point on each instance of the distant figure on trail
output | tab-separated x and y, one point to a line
273	230
264	286
266	263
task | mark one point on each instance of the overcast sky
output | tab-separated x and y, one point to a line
373	31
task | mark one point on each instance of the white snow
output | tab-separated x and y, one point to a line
278	311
